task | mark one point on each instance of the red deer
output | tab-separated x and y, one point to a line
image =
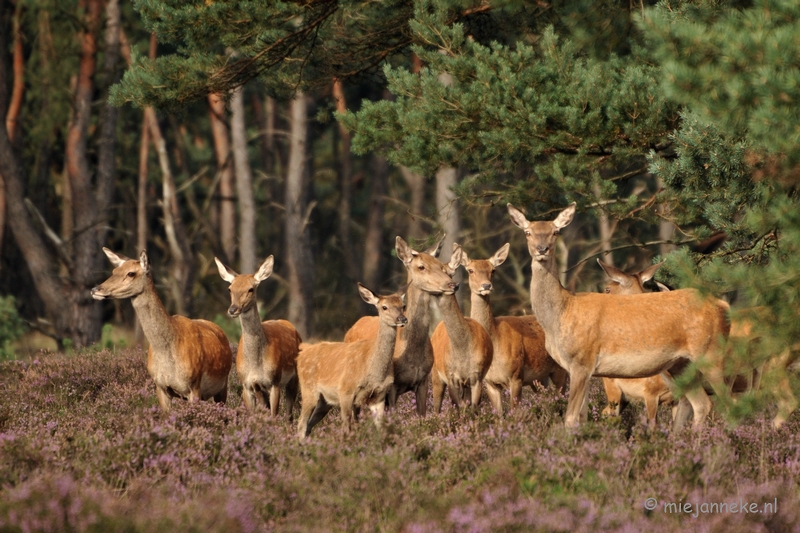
413	354
267	352
615	335
188	359
520	357
462	349
350	374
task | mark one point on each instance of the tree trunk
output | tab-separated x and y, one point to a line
416	185
447	206
666	229
345	187
297	249
227	209
373	239
605	227
244	186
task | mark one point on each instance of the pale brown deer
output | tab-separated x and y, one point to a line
520	357
621	336
462	349
351	375
653	390
413	354
188	359
267	354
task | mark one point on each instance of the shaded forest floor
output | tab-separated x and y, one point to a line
84	447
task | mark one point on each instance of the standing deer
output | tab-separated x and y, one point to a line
654	389
462	349
351	374
413	354
188	359
267	352
520	357
621	336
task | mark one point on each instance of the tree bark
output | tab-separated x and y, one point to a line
297	248
373	239
666	229
244	186
345	186
222	149
606	229
416	186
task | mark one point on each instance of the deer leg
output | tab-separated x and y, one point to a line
346	408
421	394
476	390
614	395
274	399
559	378
291	396
320	410
378	410
307	406
495	397
222	396
438	392
701	405
515	393
787	402
456	392
651	407
391	396
164	399
578	395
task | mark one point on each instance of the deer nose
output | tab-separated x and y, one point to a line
402	320
453	285
233	310
542	249
486	286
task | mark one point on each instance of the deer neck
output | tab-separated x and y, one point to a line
155	321
481	312
548	297
418	313
380	363
454	321
254	340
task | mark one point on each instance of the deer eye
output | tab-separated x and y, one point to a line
470	271
131	274
421	267
528	233
250	290
555	233
384	307
608	290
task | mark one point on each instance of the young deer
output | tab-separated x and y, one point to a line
267	353
520	357
462	349
351	374
625	336
413	354
654	389
188	359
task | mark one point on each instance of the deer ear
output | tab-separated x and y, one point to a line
404	251
436	249
649	272
464	257
367	295
500	255
615	274
144	261
265	270
662	287
565	217
225	272
115	259
517	217
455	259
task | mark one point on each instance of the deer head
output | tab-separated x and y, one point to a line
541	236
128	279
243	287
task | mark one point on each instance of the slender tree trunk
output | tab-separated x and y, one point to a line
373	239
606	229
227	209
416	185
297	239
141	207
265	148
244	186
447	205
345	187
666	229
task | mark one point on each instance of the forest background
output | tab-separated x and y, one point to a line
319	130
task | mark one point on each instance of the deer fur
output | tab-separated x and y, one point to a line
413	355
462	349
520	357
350	374
188	359
267	354
620	336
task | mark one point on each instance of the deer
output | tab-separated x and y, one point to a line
520	357
354	374
620	336
267	353
413	354
462	349
188	359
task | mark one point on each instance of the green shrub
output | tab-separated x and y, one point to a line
12	326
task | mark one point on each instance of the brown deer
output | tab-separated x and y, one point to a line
618	335
462	349
351	374
520	357
188	359
267	353
413	354
652	390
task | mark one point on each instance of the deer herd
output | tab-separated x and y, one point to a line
636	341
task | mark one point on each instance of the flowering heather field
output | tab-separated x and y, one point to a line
84	447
